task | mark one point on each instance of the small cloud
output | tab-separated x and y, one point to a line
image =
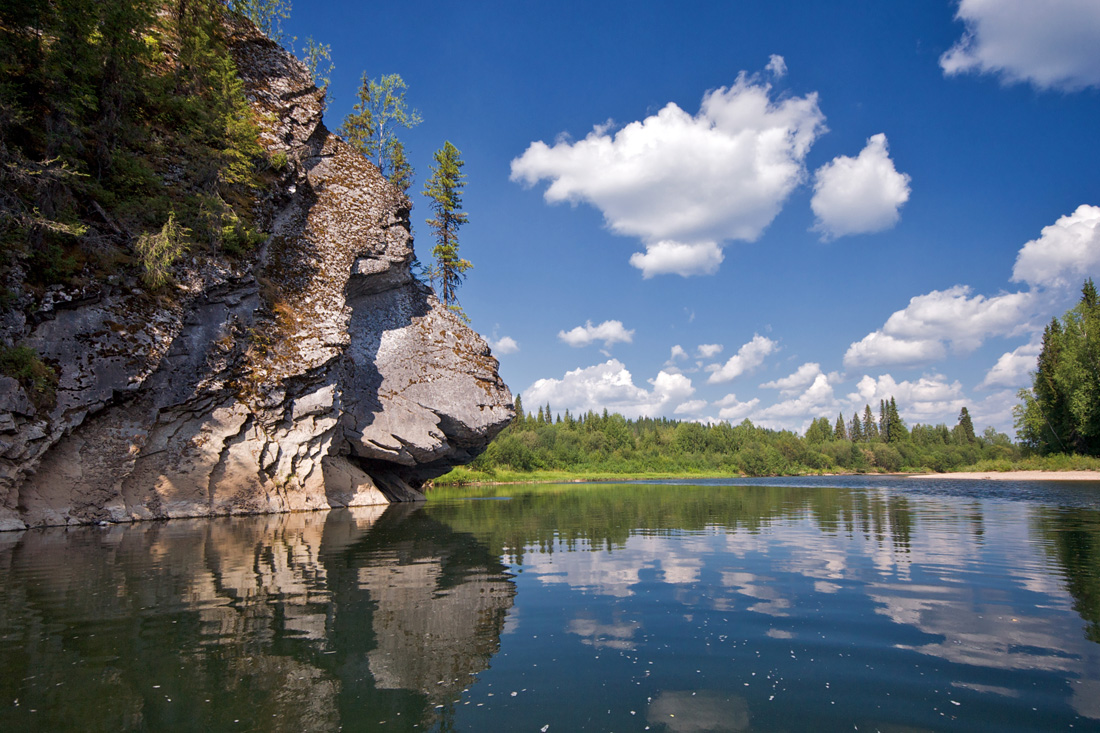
803	377
777	66
708	351
611	386
880	349
747	358
690	407
504	345
610	332
859	195
677	258
734	410
930	399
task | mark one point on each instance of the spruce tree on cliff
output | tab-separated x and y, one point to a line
444	188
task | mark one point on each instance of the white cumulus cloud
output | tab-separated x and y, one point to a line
930	399
611	386
1066	253
504	345
708	351
747	358
677	258
918	334
816	401
796	382
685	183
859	195
879	349
691	407
1013	368
610	332
734	410
1052	43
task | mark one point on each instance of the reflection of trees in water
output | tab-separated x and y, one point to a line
1072	538
282	622
604	516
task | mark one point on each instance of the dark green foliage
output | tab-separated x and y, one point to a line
38	379
610	443
444	188
964	431
1061	411
115	114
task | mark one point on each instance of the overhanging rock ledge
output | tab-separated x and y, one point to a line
316	373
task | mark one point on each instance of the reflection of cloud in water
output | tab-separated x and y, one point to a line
614	635
752	586
614	573
684	711
779	634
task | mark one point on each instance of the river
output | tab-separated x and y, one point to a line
835	603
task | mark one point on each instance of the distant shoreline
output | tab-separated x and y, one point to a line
1016	475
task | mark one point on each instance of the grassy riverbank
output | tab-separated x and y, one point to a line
471	476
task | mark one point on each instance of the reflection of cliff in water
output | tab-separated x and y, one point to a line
281	622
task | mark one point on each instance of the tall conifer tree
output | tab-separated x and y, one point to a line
444	188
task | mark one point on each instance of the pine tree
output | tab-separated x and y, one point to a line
855	429
444	188
896	432
964	431
839	433
870	427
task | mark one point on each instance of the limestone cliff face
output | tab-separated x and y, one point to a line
317	373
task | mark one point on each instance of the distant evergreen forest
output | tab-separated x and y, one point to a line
610	443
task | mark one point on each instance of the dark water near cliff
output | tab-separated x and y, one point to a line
877	604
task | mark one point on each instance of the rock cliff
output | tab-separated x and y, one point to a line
316	373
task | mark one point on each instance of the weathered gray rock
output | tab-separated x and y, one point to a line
320	373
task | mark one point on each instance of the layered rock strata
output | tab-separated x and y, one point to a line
317	373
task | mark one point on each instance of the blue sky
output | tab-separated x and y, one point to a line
767	210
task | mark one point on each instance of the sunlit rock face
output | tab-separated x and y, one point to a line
316	372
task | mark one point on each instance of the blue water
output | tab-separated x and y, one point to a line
835	603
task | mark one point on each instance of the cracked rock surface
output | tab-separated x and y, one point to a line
317	373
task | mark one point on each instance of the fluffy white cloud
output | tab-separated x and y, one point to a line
1054	43
684	183
1067	251
816	401
859	195
611	386
777	65
953	315
504	345
878	349
747	358
677	353
676	258
930	399
691	407
733	410
796	382
917	334
1014	368
708	351
610	332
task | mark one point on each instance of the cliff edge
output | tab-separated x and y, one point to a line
316	372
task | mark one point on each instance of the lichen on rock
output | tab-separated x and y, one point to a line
317	372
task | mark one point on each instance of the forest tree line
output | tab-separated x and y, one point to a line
610	443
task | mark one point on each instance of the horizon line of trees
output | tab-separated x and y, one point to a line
609	442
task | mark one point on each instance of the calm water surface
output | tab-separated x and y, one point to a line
771	605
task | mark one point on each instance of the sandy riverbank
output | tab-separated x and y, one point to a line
1018	475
